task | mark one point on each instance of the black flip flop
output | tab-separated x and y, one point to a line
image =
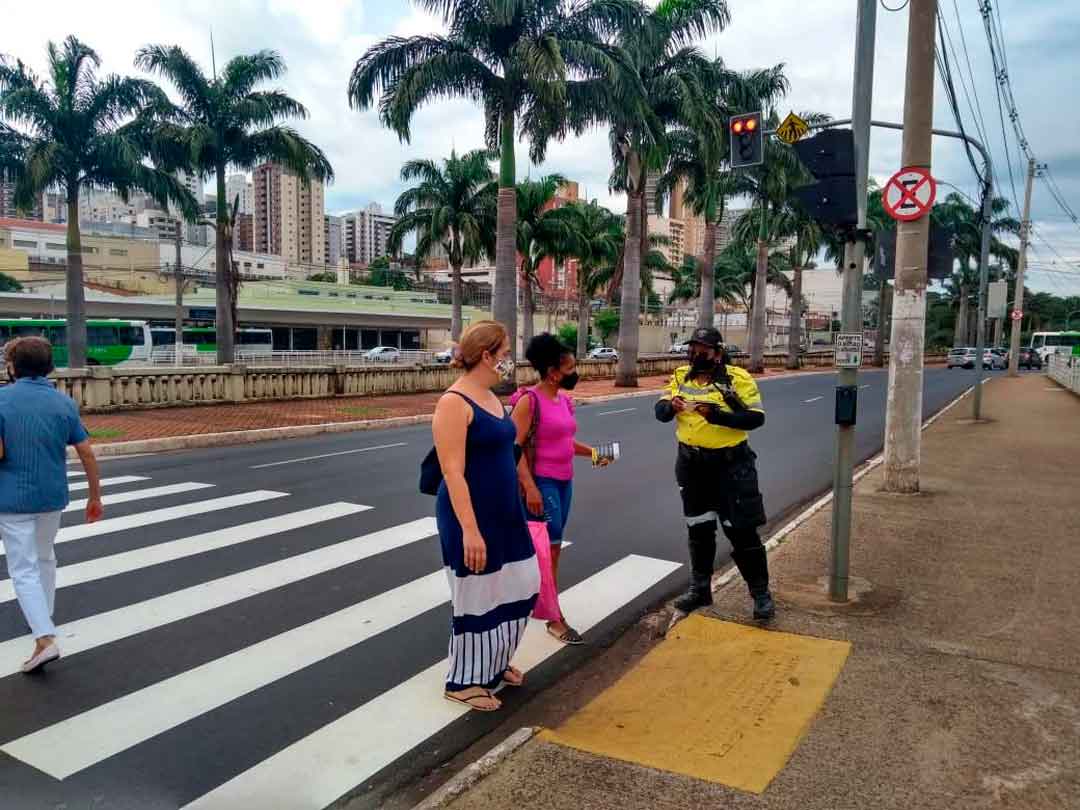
569	636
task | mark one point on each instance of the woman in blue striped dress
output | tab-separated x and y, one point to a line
487	549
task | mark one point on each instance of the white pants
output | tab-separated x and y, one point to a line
31	562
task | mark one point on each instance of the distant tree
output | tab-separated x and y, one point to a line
8	284
607	323
327	277
568	334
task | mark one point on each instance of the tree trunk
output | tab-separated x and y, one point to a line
883	311
999	328
960	334
225	328
76	294
759	325
795	322
455	302
504	296
528	303
630	309
707	300
583	322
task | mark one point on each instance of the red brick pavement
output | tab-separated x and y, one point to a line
159	423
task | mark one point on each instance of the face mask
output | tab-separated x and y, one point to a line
505	368
569	381
702	364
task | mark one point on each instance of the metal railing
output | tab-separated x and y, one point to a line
1065	370
166	356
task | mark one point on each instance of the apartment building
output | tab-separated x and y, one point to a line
366	234
289	216
237	185
7	200
332	237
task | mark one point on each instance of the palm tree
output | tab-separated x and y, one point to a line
596	234
512	57
226	123
680	90
737	271
81	131
541	233
795	224
453	206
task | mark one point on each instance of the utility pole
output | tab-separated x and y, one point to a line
984	273
1021	267
851	317
178	273
903	419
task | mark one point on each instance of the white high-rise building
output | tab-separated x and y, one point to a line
194	184
366	234
238	185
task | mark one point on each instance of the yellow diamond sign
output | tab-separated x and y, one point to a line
792	129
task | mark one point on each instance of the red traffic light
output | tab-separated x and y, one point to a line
751	124
737	127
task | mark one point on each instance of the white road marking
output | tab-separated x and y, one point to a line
612	413
105	628
142	494
328	455
812	399
317	770
75	473
101	567
75	486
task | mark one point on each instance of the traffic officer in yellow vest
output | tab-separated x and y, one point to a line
714	406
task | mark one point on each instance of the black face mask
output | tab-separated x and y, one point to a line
701	364
569	381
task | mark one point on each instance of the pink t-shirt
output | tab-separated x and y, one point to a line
555	438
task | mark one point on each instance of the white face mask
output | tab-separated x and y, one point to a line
505	367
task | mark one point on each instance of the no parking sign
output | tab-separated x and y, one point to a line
909	194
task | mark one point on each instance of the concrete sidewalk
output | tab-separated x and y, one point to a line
962	686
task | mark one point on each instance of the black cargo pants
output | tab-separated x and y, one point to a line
722	485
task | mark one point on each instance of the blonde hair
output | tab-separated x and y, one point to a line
482	336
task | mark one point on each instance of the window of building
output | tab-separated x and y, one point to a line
117	252
55	246
25	243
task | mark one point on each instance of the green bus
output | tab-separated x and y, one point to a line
108	342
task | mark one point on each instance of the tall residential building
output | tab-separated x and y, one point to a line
366	234
237	185
244	233
289	216
194	184
7	201
332	236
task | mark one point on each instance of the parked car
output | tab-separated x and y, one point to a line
960	358
444	357
732	348
679	348
994	359
603	353
1029	358
383	354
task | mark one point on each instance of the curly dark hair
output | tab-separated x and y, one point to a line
545	352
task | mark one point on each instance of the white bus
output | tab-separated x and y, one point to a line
202	340
1047	343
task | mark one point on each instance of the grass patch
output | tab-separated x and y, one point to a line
106	433
363	412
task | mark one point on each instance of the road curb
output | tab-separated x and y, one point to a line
468	777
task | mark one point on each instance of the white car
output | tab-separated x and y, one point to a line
679	348
444	357
383	354
603	353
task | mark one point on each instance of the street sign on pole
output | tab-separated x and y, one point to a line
1017	315
848	352
997	293
792	129
909	194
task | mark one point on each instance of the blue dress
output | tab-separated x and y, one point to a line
490	609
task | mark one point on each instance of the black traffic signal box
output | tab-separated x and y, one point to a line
830	157
747	140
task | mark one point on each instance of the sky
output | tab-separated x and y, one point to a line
322	39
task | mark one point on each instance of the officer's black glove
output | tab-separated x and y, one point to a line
732	400
712	413
664	410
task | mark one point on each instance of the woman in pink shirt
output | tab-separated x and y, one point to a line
546	469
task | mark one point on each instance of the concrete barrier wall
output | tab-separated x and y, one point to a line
1064	370
106	389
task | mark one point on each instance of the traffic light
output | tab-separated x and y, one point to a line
830	157
747	140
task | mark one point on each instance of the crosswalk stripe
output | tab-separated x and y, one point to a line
320	768
105	628
75	473
77	743
76	486
141	494
101	567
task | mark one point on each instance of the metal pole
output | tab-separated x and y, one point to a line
984	273
851	318
903	419
1021	267
178	273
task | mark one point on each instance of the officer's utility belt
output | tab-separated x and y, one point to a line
738	452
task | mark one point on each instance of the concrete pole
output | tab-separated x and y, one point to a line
851	318
903	419
984	274
1021	267
178	274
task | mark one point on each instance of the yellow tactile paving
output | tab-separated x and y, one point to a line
715	700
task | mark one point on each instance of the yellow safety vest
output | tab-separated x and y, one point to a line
691	427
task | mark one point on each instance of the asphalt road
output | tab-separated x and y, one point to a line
213	663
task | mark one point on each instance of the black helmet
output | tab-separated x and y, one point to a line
707	336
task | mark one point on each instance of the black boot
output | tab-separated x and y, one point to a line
753	564
702	543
